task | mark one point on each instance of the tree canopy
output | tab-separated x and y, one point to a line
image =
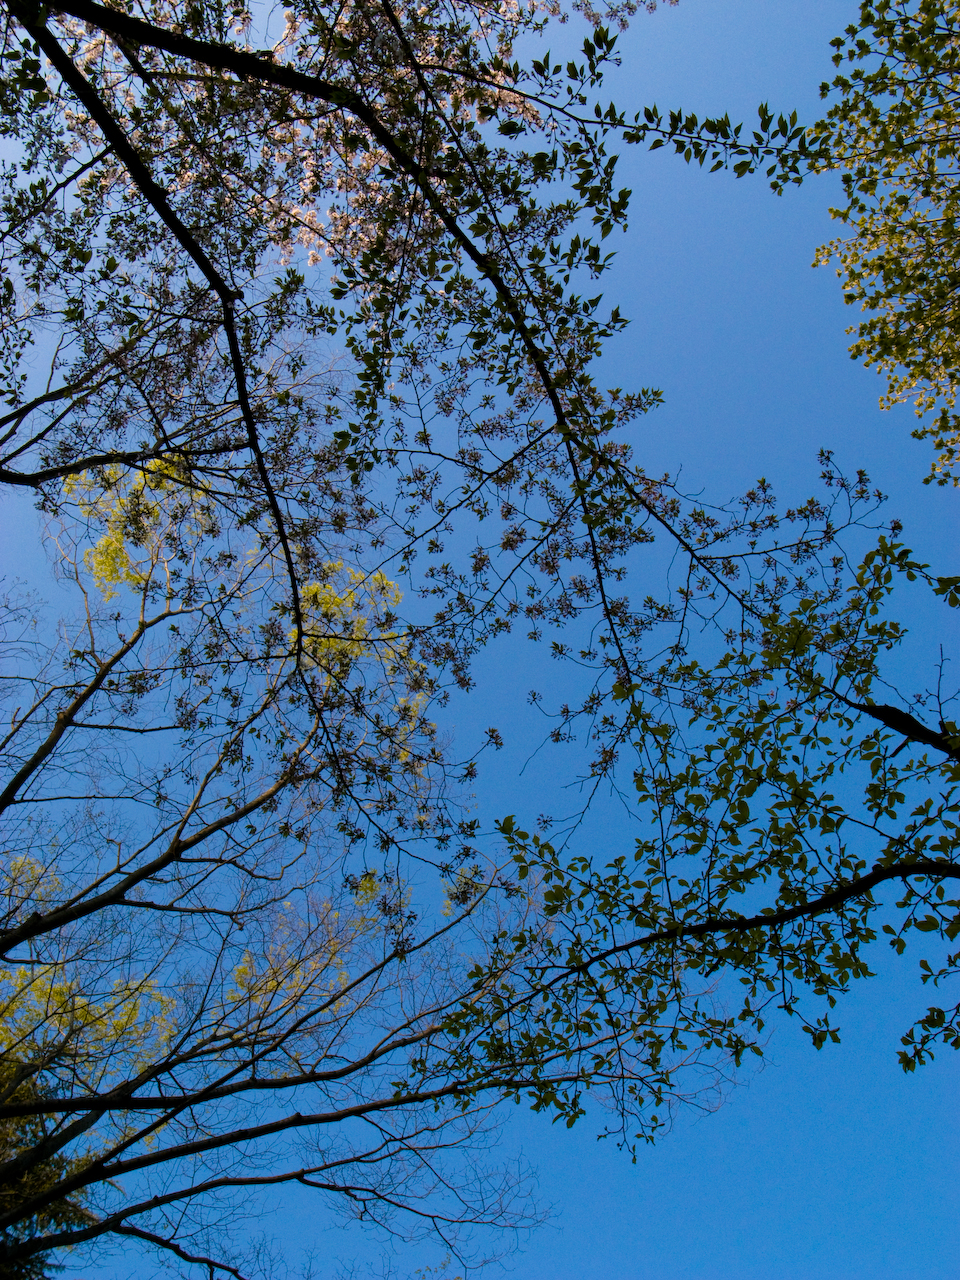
298	330
893	130
300	322
796	792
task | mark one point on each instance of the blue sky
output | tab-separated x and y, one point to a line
835	1164
831	1164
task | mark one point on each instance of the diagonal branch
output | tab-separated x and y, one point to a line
65	718
252	66
155	195
770	919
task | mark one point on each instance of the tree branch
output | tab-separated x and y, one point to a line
857	888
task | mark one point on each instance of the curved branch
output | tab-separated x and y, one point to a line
156	196
769	919
252	66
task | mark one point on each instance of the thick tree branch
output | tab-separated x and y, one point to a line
904	723
253	66
127	154
829	901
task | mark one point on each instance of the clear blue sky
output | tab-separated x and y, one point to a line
836	1164
833	1165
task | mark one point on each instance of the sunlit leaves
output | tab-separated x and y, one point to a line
893	130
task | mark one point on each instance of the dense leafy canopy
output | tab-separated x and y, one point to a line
298	333
893	129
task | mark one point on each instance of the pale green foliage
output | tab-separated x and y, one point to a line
343	617
895	131
149	516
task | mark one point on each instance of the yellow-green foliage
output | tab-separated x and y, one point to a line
896	132
49	1021
135	509
338	618
285	972
45	1019
304	960
346	619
